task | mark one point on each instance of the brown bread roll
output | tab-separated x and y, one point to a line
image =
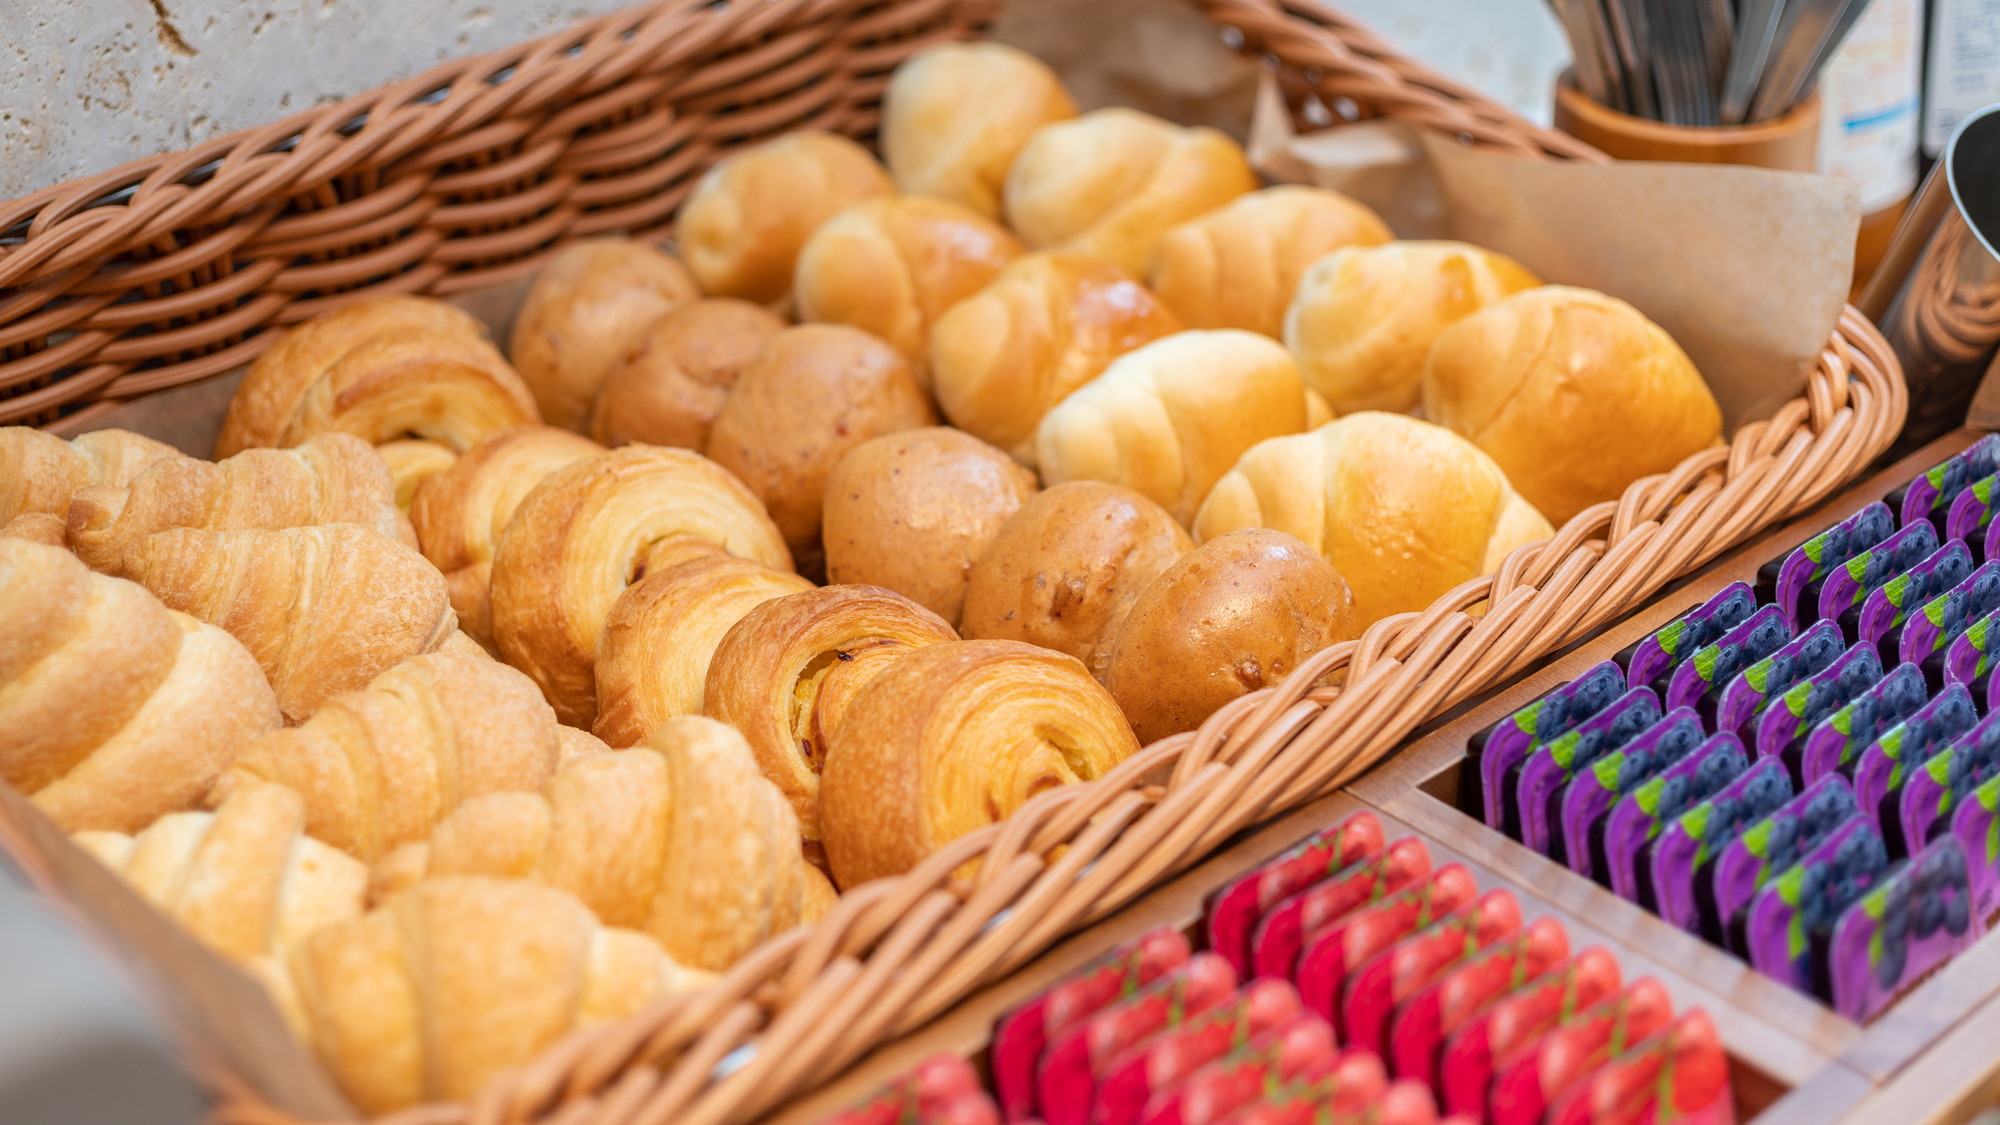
1404	510
956	114
1235	614
1363	320
912	511
1238	265
1574	394
674	381
1047	325
742	226
1066	569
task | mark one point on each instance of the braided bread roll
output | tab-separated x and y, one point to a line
323	609
676	378
429	997
382	369
785	673
114	710
1238	265
412	461
330	478
40	472
954	737
956	114
589	530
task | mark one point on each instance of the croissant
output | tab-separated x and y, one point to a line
381	369
460	513
445	986
40	472
653	658
585	533
412	461
114	710
956	114
323	609
785	673
38	527
331	478
954	737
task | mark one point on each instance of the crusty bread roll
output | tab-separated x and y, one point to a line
1573	393
1109	183
892	266
1168	419
1046	326
412	461
674	381
956	114
912	512
1066	569
742	226
1238	265
813	393
1235	614
1363	319
590	306
954	737
1404	510
40	472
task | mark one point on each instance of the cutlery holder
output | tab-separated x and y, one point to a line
1789	143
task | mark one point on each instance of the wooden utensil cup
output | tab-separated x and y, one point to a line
1789	143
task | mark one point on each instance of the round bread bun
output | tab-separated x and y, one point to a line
956	114
1238	265
675	379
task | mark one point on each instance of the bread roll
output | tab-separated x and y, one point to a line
1364	319
813	393
589	306
1168	419
40	472
956	114
1047	325
1573	393
742	226
1238	265
673	383
1235	614
1404	510
952	738
912	512
892	266
1066	569
412	461
1109	183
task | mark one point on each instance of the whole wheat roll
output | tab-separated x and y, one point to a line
674	381
955	115
1238	265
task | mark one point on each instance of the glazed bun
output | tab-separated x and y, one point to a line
956	114
1363	320
1238	265
1109	183
675	379
1575	395
588	307
1404	510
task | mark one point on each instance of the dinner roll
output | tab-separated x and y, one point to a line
1109	183
956	114
1575	395
742	226
1238	265
1404	510
1363	319
587	308
674	381
1168	419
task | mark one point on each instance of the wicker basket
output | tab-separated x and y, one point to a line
171	269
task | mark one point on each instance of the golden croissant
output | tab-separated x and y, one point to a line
412	461
586	533
381	766
323	609
954	737
429	997
40	472
114	710
786	672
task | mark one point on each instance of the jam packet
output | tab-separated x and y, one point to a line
1913	920
1976	826
1931	792
1630	833
1769	848
1969	658
1743	698
1417	1031
1275	945
1510	1024
1887	607
1538	792
1795	590
1162	1062
1375	989
1528	1080
1333	951
1696	681
1679	1075
1401	1103
1803	902
1929	496
1240	905
1881	768
942	1090
1801	707
1930	632
1590	795
1657	653
1971	511
1066	1082
1493	755
1297	1051
1682	868
1837	741
1850	583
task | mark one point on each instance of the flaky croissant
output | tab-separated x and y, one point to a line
381	766
785	674
445	986
114	710
585	533
381	369
412	461
323	609
40	472
952	738
331	478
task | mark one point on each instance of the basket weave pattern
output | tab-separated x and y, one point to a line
603	129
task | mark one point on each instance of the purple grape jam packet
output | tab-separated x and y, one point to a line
1971	511
1695	680
1595	788
1929	496
1853	580
1632	831
1807	567
1976	826
1990	545
1932	791
1659	652
1771	846
1838	739
1880	769
1803	705
1889	605
1495	754
1798	658
1802	902
1544	772
1932	633
1969	657
1917	916
1682	874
